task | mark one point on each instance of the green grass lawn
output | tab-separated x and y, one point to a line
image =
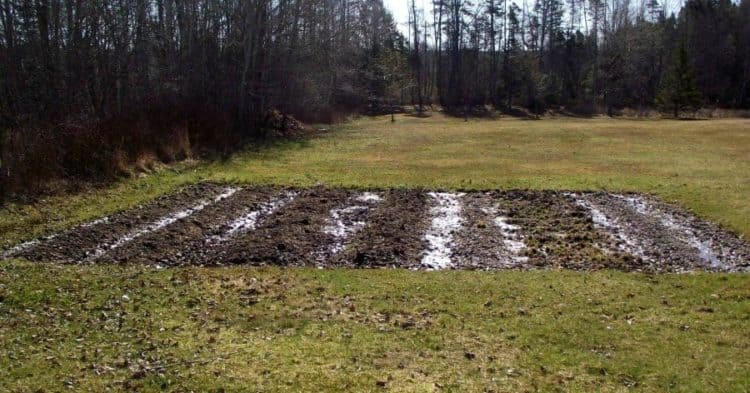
130	327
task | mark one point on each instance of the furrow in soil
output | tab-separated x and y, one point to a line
713	248
162	222
188	241
393	234
82	242
289	236
343	224
486	240
558	233
446	219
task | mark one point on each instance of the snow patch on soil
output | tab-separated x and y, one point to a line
511	234
511	238
343	223
446	219
705	248
249	221
369	197
31	243
340	229
23	246
613	227
161	223
102	220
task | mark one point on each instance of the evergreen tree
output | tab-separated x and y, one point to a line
678	91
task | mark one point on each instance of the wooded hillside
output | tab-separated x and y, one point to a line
94	87
85	81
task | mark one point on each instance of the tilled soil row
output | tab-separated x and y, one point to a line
84	242
488	240
663	237
558	233
288	237
189	241
211	224
394	234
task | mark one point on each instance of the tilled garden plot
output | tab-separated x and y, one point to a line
210	224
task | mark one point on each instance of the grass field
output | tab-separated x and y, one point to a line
131	327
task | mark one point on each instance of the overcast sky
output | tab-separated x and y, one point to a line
400	11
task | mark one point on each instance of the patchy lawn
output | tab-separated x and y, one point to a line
97	327
134	327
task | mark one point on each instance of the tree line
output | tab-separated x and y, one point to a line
92	87
82	81
581	55
109	57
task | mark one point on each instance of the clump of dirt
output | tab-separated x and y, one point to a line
284	124
393	235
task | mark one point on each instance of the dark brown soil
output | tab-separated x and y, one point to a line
187	241
290	237
393	236
78	244
480	244
336	227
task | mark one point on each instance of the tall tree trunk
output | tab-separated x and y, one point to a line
417	59
439	49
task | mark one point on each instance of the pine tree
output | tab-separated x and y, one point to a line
678	90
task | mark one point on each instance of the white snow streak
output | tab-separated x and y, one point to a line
26	245
446	219
369	197
687	234
613	227
341	230
102	220
342	224
23	246
249	221
161	223
512	240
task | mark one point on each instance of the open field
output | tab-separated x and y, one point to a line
131	326
703	166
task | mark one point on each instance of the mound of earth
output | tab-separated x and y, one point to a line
213	224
